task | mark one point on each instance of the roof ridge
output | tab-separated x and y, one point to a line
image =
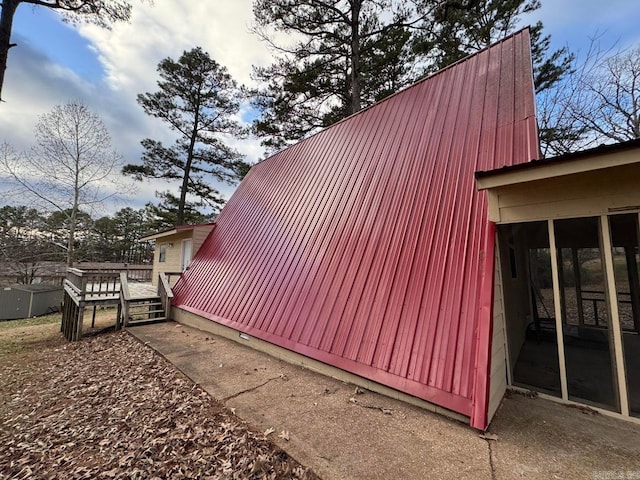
408	87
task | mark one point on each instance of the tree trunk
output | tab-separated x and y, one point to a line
355	56
6	23
74	210
187	169
72	234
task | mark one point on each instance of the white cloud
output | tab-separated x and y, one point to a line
129	53
34	85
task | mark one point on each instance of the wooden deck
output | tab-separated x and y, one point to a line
136	289
83	288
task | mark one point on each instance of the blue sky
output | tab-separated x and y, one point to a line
55	62
42	29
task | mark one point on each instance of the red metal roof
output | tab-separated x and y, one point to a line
366	246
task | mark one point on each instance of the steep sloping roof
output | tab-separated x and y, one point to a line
364	246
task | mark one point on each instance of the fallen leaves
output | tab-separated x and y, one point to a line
583	408
108	407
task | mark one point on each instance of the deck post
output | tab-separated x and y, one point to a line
78	330
119	317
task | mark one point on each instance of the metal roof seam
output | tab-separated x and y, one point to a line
363	246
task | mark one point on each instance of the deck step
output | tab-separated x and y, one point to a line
146	312
147	297
146	321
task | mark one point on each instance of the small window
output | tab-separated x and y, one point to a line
163	253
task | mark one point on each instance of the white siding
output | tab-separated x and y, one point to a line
580	194
498	376
200	234
174	254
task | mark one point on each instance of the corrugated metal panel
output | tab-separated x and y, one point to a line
364	246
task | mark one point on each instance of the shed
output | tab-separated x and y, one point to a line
365	250
568	236
175	248
24	301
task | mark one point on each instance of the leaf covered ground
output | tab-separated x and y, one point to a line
109	407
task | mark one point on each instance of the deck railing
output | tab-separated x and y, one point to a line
93	284
122	316
165	293
135	273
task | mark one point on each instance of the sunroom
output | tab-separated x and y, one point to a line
567	283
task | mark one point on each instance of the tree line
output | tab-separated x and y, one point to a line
30	239
331	59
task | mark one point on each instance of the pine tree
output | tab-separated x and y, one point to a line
198	99
347	55
463	27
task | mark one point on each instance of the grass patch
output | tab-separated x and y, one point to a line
30	335
29	322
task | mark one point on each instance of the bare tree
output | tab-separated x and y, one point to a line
71	168
100	12
23	251
598	103
607	103
558	129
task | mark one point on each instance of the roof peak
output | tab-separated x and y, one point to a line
408	87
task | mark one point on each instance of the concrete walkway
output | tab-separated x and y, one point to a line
344	434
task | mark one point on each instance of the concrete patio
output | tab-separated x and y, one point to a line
347	433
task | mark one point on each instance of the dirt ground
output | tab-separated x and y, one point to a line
109	407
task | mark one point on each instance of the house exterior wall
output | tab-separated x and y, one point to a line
174	254
498	378
517	285
575	195
200	234
173	262
595	185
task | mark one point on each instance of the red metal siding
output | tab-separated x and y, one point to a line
365	246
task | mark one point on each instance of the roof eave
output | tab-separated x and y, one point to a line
155	236
604	156
173	231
